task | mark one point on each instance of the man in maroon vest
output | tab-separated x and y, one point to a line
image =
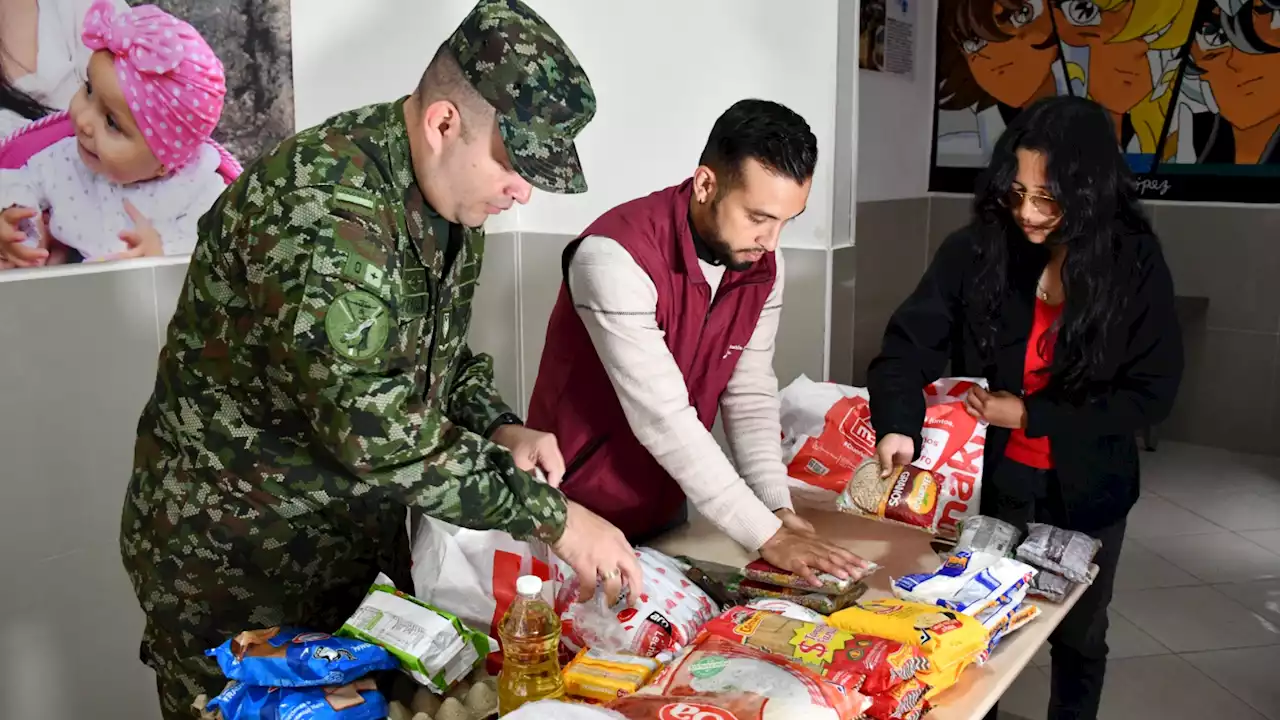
667	314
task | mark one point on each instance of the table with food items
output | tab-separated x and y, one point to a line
931	628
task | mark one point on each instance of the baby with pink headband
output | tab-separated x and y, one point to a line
140	170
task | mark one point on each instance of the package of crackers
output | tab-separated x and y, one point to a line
907	496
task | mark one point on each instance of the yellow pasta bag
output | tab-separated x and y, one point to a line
951	641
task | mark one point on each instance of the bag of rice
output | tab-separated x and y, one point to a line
715	667
966	582
908	496
950	641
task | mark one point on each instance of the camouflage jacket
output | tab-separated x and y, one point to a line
316	371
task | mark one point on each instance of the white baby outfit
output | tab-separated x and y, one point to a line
87	211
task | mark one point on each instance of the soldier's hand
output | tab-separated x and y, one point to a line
596	550
532	449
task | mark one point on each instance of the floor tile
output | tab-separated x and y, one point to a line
1218	557
1155	516
1192	619
1269	539
1142	569
1124	640
1027	698
1248	674
1169	688
1231	509
1261	598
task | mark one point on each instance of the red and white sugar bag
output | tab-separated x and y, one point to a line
750	683
666	616
827	433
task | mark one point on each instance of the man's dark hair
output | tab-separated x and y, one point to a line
771	134
444	80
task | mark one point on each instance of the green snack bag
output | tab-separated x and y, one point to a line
433	646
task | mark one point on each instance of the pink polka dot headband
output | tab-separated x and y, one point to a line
171	78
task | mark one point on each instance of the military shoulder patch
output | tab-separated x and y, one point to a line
357	200
358	325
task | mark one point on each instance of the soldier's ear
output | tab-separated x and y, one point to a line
441	123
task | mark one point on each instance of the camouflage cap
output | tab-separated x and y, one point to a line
542	95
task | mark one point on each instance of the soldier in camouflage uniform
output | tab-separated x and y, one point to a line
316	379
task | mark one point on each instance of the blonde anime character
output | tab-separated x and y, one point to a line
1125	53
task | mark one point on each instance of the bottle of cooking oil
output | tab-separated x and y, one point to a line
530	633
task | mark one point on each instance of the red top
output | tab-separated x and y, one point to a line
1034	452
612	474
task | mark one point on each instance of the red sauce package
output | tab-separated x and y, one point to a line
850	661
715	667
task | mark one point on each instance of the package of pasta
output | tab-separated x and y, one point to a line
762	572
717	667
354	701
908	496
290	657
816	601
1065	552
950	641
850	661
603	677
904	702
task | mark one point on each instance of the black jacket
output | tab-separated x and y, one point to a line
1093	444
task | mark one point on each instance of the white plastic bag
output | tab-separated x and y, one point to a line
472	573
827	433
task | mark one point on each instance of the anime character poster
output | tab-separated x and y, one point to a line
1193	86
127	120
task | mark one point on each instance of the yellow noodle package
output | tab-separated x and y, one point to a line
950	640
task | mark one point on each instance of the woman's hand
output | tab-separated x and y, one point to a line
1002	409
894	450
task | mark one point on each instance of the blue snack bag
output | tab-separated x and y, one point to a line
289	657
355	701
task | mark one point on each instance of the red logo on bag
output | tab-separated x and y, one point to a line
692	711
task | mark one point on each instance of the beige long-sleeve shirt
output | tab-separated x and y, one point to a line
618	303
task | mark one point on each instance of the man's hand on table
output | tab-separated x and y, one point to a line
594	547
532	449
792	521
802	552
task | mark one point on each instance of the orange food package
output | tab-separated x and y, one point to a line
715	667
853	662
905	702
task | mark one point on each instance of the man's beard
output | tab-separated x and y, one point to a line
724	253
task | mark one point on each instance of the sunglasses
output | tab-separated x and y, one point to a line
1045	205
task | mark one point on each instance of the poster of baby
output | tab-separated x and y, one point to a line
121	122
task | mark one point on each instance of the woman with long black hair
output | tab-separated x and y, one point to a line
1058	294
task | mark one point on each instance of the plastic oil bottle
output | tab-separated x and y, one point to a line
530	633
